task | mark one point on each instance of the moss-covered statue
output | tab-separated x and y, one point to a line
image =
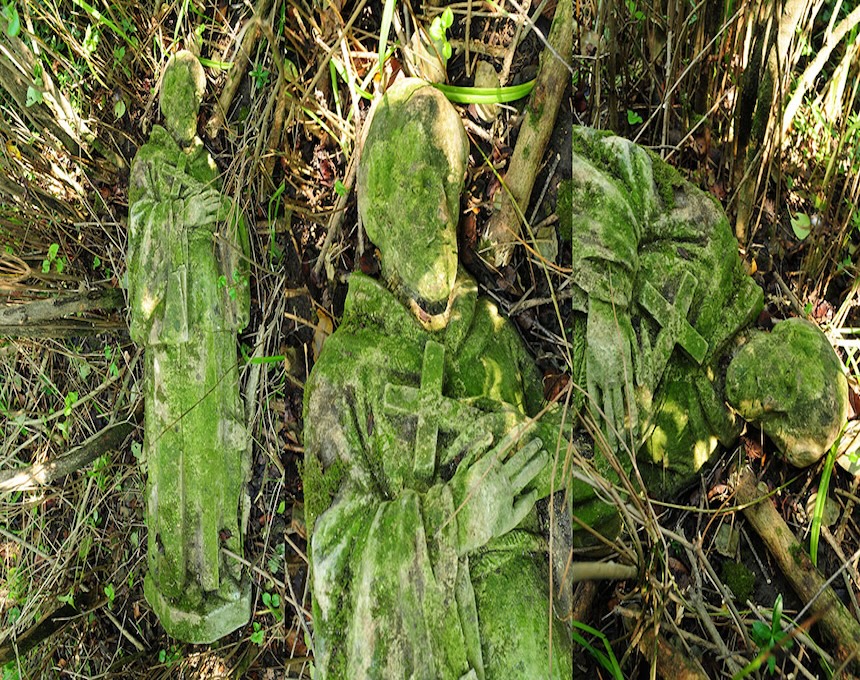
188	294
421	475
665	346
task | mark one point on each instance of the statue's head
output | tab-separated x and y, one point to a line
182	87
790	383
411	174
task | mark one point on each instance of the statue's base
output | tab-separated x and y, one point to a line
206	622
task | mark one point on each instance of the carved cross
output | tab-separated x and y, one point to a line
674	327
433	410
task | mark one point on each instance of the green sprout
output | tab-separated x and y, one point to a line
439	33
770	638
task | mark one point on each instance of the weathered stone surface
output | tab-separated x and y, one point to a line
422	470
790	382
188	295
663	293
663	299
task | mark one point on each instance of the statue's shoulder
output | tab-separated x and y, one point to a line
160	145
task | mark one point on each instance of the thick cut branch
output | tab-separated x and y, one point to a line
41	474
60	316
836	622
504	226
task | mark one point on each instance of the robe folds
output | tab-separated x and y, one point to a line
188	296
392	595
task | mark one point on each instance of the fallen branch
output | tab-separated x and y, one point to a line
608	571
58	316
237	72
42	474
504	227
836	622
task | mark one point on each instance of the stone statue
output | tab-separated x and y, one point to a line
662	333
189	295
422	463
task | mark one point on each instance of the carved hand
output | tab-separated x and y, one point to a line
609	368
203	208
488	490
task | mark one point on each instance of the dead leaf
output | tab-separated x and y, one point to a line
323	328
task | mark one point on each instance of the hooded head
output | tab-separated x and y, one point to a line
790	382
409	181
182	87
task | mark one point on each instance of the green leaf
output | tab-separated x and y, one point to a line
13	26
776	619
801	225
384	28
447	51
760	634
339	188
485	95
448	17
34	96
282	506
46	266
53	249
267	599
633	118
119	109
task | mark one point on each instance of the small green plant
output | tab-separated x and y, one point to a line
68	599
110	355
53	259
259	635
635	12
260	76
232	290
110	594
770	638
439	33
276	561
170	655
273	604
633	118
607	659
10	671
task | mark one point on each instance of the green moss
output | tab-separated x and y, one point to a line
738	578
667	179
564	208
320	486
797	553
588	146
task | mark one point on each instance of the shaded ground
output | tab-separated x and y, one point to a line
73	550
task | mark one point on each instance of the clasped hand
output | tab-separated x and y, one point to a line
488	489
204	207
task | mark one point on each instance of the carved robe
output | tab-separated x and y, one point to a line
662	253
188	294
392	598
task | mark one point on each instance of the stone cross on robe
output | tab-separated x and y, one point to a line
674	329
433	410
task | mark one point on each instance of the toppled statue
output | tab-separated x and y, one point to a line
189	295
666	347
422	468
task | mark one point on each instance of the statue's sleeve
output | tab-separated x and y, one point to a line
614	197
391	598
148	262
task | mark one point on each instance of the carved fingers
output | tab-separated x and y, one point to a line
609	370
205	207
